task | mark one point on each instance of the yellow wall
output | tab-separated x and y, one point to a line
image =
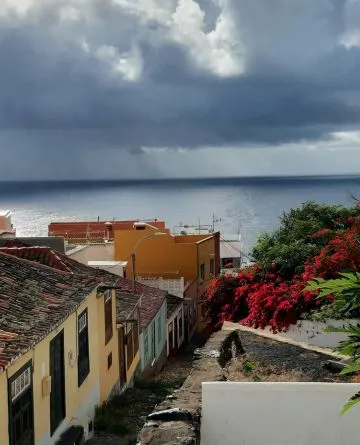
167	255
108	377
99	376
4	436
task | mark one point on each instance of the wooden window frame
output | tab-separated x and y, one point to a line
202	271
108	316
12	400
83	336
212	266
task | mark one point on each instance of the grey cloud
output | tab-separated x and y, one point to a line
299	83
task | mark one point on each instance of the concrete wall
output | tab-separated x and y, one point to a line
278	413
94	252
313	332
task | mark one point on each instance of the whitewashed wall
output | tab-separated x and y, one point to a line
313	332
235	413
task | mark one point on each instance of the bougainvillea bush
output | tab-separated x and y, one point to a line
267	294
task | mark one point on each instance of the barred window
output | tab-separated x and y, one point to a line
21	383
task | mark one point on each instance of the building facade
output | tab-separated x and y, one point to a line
196	258
58	351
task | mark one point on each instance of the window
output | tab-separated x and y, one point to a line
83	347
20	384
202	271
109	360
159	329
108	316
180	325
212	266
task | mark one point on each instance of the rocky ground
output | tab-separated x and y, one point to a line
133	407
174	397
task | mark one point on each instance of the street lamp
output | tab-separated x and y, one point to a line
133	255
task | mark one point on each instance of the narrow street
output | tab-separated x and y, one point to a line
129	411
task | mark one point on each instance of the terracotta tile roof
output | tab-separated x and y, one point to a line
152	298
172	303
125	304
34	299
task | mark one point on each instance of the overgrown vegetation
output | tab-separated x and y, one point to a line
314	241
113	417
346	294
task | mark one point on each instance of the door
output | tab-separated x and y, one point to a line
21	415
57	373
153	343
122	357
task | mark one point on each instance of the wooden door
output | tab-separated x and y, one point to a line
21	414
122	356
57	373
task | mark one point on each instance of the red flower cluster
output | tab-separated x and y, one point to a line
261	298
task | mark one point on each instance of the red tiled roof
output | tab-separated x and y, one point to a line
152	298
13	243
34	299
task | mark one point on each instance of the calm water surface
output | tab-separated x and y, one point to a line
251	205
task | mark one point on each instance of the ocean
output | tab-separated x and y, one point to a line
245	205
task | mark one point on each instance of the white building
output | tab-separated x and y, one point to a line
6	227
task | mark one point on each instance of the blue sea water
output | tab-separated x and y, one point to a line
250	205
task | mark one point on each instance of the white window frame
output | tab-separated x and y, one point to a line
21	383
82	322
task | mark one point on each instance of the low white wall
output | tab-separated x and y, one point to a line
313	332
245	413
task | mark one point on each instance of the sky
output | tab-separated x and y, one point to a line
100	89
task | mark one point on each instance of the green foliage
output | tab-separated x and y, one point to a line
293	243
108	419
161	388
351	402
351	346
345	290
248	366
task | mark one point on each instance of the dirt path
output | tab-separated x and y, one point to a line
125	415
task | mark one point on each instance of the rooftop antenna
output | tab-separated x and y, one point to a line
215	220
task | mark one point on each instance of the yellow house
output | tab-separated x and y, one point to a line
58	351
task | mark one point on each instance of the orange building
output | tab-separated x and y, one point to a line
194	257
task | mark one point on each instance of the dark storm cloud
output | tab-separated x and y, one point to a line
298	83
